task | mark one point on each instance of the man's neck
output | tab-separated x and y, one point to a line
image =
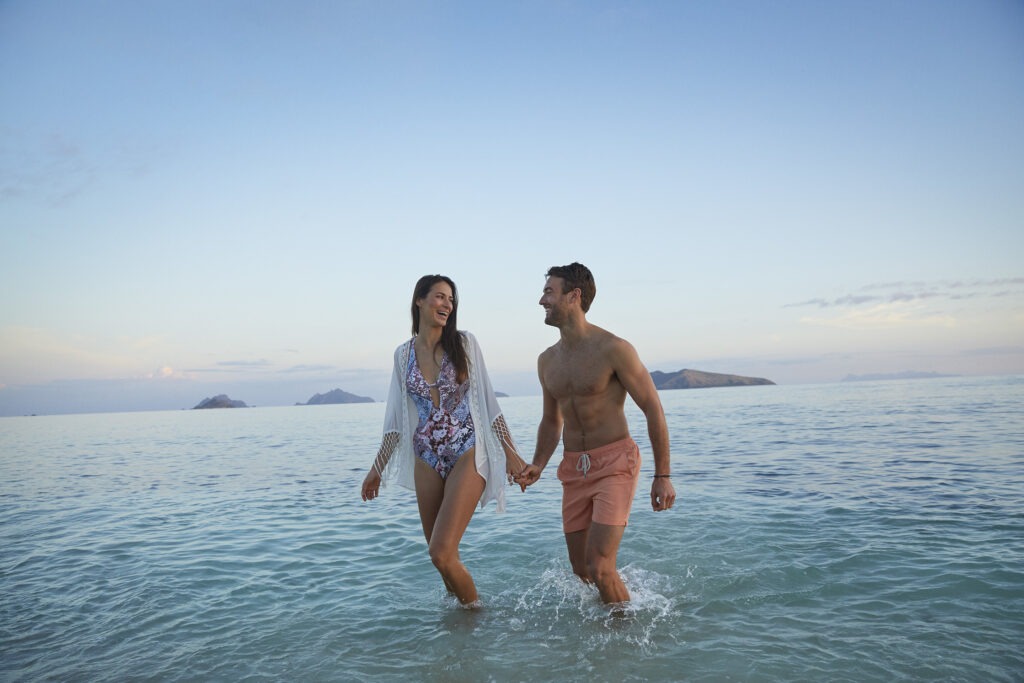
574	331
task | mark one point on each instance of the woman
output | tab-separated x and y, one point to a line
445	430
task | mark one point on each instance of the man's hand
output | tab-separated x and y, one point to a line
529	476
663	494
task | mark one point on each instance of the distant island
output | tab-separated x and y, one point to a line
220	401
696	379
335	396
907	374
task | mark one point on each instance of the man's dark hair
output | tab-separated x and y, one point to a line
576	276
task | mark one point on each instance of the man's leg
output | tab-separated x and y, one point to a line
602	549
576	543
593	553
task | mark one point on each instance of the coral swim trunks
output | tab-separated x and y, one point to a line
598	485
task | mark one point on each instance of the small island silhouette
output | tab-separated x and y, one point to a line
220	401
698	379
335	396
681	379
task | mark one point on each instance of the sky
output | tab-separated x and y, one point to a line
237	197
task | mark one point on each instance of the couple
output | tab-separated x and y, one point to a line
441	406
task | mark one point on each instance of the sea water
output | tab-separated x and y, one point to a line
842	532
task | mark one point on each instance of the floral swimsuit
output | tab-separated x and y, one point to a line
445	431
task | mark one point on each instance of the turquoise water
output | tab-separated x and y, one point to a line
846	532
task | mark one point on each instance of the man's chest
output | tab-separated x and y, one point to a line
576	376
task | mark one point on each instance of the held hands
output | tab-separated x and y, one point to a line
663	494
528	476
514	466
519	472
371	485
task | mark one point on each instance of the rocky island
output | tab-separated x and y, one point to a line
335	396
220	401
697	379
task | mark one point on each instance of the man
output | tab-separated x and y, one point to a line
584	379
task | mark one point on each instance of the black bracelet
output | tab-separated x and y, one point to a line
662	476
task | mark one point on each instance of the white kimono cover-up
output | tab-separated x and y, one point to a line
400	422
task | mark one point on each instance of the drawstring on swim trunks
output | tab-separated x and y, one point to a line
583	464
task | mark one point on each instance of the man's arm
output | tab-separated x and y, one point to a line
549	432
640	387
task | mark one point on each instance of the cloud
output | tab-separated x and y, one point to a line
943	290
168	373
245	364
995	351
886	315
309	368
852	300
53	168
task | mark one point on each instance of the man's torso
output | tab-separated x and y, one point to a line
589	394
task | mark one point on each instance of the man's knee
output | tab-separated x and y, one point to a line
600	564
602	569
580	569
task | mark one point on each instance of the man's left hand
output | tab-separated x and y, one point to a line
663	494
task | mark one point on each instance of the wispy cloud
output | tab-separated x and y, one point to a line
166	372
891	314
906	292
261	364
245	364
233	366
995	351
54	169
309	368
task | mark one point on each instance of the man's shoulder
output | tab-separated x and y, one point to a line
607	339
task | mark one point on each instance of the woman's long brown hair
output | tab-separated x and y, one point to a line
451	340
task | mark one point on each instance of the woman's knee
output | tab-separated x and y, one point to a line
443	555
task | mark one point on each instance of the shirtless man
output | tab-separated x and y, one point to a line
585	378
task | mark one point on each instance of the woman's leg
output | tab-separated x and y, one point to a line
462	491
429	494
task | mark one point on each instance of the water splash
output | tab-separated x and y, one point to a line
560	601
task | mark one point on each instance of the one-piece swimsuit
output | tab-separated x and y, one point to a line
445	431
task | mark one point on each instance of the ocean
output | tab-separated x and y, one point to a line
869	531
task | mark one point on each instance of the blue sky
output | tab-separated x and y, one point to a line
237	197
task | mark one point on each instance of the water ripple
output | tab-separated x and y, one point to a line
847	533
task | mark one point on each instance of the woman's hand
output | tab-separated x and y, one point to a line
514	466
371	485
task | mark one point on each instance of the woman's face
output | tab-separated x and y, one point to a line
436	306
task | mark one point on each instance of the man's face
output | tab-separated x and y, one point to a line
555	303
